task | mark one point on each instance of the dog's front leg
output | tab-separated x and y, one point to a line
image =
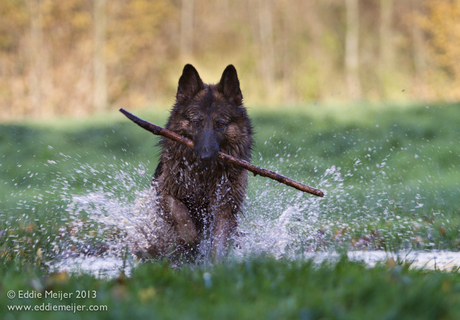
181	217
224	227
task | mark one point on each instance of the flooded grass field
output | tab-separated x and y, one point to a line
75	196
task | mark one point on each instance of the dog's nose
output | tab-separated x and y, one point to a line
206	146
207	155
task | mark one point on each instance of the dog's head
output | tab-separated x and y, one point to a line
212	116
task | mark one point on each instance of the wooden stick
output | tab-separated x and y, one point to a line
157	130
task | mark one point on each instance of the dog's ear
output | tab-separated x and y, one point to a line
229	85
190	84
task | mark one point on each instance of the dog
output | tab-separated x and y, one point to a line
200	196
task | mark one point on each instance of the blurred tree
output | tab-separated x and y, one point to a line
386	34
352	49
74	56
67	46
99	60
442	22
36	57
418	50
186	29
142	44
265	37
14	24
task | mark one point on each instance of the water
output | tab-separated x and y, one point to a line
135	224
291	225
110	267
113	215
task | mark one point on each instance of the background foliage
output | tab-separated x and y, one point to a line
79	56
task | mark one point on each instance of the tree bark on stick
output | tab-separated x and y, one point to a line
157	130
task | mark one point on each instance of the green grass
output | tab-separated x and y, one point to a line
258	288
394	162
393	183
399	179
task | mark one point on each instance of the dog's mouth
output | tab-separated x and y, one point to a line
206	163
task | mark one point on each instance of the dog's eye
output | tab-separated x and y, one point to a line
196	123
220	125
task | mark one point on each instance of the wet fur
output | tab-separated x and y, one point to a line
199	195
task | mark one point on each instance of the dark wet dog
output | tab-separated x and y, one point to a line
201	196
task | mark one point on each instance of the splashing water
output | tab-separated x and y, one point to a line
293	231
291	225
116	215
110	222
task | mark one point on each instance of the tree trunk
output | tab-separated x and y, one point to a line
36	56
100	68
186	29
352	49
418	53
267	45
386	35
